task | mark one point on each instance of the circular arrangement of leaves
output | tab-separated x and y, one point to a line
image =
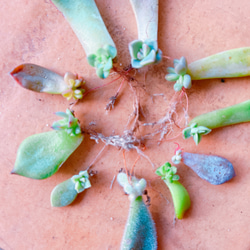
41	155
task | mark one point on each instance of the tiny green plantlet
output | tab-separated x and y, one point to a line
39	156
40	79
86	21
203	124
66	192
227	64
212	168
140	232
144	51
179	74
178	192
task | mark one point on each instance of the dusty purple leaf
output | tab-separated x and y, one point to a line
212	168
39	79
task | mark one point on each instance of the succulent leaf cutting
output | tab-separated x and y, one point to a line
140	232
144	50
86	21
178	192
66	192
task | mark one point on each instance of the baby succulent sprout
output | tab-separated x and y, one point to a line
41	155
226	64
40	79
86	21
140	232
69	123
179	74
74	86
203	124
144	51
178	192
212	168
66	192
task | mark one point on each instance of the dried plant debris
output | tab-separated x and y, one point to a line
127	141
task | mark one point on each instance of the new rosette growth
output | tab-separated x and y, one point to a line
179	75
69	123
74	89
144	51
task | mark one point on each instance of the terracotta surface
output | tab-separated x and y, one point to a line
35	32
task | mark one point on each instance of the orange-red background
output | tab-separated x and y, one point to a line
35	32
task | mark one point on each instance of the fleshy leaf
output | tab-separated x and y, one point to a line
180	197
39	79
134	47
91	60
63	194
172	77
212	168
140	232
41	155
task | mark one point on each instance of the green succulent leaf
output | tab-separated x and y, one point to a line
63	194
180	197
186	133
172	77
178	87
91	60
41	155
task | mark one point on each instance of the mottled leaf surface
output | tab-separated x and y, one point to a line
63	194
39	79
140	232
212	168
41	155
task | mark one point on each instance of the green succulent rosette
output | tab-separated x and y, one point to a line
196	132
179	75
102	60
168	172
144	53
69	124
